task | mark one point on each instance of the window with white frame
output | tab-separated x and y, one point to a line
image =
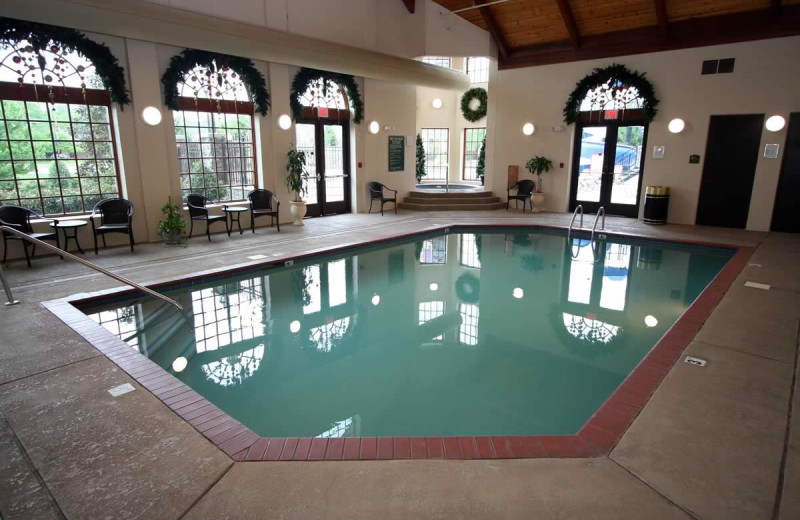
429	311
434	251
473	140
436	142
468	331
478	70
469	250
439	61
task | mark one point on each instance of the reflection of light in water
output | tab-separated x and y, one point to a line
233	370
434	286
429	311
615	277
581	272
650	320
468	331
294	326
314	290
594	331
325	335
228	314
350	427
517	293
376	299
180	363
337	283
469	250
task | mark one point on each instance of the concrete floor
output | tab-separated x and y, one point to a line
712	442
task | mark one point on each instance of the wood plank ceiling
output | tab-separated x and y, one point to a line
539	32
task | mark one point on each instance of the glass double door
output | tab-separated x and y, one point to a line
327	148
607	168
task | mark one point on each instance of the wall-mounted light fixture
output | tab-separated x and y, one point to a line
437	103
284	122
151	116
294	327
376	299
528	129
677	125
775	123
374	127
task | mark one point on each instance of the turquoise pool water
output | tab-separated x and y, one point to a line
501	332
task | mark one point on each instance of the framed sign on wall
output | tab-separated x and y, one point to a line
397	153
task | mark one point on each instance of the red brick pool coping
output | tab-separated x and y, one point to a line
597	437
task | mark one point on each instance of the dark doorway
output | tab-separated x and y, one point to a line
729	170
326	143
787	198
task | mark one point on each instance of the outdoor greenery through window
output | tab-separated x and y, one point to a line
215	136
478	70
57	152
436	142
473	139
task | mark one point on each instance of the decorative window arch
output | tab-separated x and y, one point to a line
612	88
326	337
233	370
58	152
315	88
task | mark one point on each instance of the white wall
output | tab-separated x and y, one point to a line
765	81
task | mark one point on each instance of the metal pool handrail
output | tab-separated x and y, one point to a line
36	241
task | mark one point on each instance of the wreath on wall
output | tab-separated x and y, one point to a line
40	36
468	288
306	76
479	113
184	63
615	77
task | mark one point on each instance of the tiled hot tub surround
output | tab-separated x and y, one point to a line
596	438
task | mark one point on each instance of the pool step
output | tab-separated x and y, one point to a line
453	201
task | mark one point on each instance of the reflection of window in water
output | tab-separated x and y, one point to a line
469	250
615	276
593	331
325	335
434	251
429	311
581	271
337	283
233	370
229	313
468	331
121	322
314	289
350	427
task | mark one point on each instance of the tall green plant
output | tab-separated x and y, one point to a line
296	168
171	228
482	161
420	159
537	166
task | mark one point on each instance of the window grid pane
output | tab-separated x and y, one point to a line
434	251
478	70
216	154
439	61
473	139
468	331
436	142
469	251
56	158
429	311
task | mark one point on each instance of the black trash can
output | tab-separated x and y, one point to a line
656	204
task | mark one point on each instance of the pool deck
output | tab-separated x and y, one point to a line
712	442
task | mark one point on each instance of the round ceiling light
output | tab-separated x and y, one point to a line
180	364
284	122
151	115
528	129
776	123
437	103
374	127
676	126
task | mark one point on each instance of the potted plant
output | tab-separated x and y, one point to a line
420	171
482	162
171	228
296	168
537	166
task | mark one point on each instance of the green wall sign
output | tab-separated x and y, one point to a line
397	153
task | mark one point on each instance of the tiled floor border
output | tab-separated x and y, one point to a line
597	437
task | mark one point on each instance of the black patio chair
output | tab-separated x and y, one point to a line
20	219
198	211
261	204
376	193
116	216
524	191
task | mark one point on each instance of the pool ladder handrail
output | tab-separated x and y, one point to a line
601	211
578	208
36	241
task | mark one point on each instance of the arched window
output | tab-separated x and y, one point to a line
324	93
612	95
233	370
589	330
214	131
325	337
57	143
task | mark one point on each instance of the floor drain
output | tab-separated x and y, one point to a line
121	390
695	361
256	257
756	285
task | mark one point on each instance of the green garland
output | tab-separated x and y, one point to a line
468	288
183	63
40	35
305	77
480	112
614	75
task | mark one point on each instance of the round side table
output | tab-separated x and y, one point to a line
231	212
70	230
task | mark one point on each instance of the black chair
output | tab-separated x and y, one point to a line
524	192
376	193
20	219
261	205
198	211
116	216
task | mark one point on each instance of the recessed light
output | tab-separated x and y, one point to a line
775	123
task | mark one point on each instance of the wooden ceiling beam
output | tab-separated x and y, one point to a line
494	29
696	32
661	16
410	5
569	22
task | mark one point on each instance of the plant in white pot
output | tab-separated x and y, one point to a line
296	168
537	166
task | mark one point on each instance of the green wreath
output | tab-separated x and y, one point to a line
468	288
480	112
40	35
183	63
615	76
305	76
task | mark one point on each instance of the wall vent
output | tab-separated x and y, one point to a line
722	66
